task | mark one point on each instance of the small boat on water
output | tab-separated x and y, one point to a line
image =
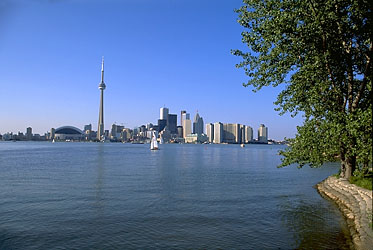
154	142
242	145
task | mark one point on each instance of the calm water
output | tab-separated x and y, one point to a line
123	196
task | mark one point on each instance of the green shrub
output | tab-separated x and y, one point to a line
362	181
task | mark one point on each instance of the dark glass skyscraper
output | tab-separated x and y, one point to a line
172	123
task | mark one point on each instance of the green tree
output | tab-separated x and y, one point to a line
321	50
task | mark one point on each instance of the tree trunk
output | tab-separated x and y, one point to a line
348	167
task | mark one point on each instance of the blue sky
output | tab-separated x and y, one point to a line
173	53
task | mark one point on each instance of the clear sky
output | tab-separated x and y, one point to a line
173	53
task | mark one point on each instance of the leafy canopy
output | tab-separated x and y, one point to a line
321	51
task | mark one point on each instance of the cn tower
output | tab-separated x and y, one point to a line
101	86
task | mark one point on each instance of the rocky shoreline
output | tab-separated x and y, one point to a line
356	205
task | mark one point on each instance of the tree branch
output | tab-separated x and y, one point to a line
365	80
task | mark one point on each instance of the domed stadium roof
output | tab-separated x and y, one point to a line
68	130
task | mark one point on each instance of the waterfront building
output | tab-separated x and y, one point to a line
88	127
162	123
149	126
185	116
198	124
68	133
126	134
218	132
263	134
196	138
172	123
52	134
210	132
165	134
29	133
248	134
180	131
163	113
101	86
231	133
243	133
187	127
181	117
116	131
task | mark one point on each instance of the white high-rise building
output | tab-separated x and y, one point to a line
184	116
163	114
263	133
218	132
187	127
210	132
248	134
232	133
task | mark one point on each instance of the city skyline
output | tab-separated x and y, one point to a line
148	65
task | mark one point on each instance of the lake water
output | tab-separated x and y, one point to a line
124	196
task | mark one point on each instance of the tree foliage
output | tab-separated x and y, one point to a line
321	51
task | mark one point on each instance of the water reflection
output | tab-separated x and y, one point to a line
99	183
314	224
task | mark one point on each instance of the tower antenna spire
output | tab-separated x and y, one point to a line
101	86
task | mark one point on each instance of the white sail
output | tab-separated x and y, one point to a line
154	143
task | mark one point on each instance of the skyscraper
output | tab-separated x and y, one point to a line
187	127
218	132
232	133
172	123
163	114
248	134
210	132
184	116
198	125
29	133
101	86
243	133
181	117
263	133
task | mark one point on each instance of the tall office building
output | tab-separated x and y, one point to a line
162	123
185	116
187	127
101	86
172	123
163	114
180	131
243	133
52	133
210	132
29	133
181	117
263	133
248	134
116	131
198	125
218	132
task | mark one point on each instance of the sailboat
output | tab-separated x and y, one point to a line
161	140
154	143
